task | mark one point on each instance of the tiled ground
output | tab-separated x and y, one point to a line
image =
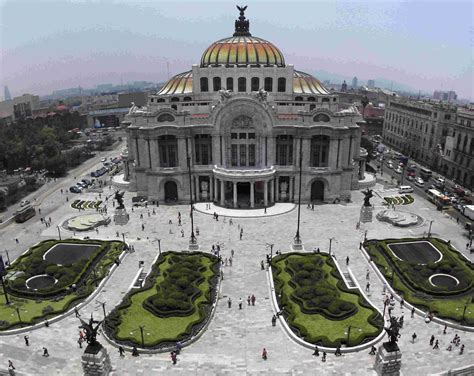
234	340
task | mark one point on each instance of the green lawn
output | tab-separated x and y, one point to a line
35	310
160	329
318	328
448	306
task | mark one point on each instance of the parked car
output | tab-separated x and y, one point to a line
419	182
75	189
410	177
459	191
24	203
86	181
103	160
398	170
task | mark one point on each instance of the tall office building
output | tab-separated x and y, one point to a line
8	96
371	84
354	83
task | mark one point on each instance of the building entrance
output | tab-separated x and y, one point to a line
243	195
317	191
171	191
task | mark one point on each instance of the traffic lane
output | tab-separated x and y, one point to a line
421	191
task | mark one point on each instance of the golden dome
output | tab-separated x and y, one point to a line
304	83
242	50
180	84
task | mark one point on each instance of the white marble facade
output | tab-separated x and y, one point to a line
243	118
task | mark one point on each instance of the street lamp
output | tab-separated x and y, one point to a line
297	240
429	230
192	240
270	245
8	257
59	232
159	245
330	244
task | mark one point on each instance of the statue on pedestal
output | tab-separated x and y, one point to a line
119	198
368	195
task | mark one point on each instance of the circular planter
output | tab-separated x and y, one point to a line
40	281
444	280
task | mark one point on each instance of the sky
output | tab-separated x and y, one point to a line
50	45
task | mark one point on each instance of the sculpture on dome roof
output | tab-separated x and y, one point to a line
225	94
262	95
242	25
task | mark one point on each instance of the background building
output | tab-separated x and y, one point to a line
354	83
371	84
243	117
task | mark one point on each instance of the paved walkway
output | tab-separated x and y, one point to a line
276	209
235	338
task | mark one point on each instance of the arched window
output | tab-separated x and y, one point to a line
216	81
175	99
299	99
282	84
230	84
165	118
311	99
203	149
242	84
161	100
325	100
268	84
321	117
187	99
255	83
204	84
320	151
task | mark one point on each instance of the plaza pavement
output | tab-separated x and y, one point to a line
234	340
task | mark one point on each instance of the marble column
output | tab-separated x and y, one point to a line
211	188
265	194
272	191
235	193
196	188
252	195
277	190
216	189
222	192
292	179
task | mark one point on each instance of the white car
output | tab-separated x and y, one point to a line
419	182
398	170
24	203
103	160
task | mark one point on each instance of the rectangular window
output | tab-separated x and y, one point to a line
164	156
172	156
230	84
233	136
255	83
205	154
243	155
251	155
242	136
197	147
252	136
290	154
234	155
242	84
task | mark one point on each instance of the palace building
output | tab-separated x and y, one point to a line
238	127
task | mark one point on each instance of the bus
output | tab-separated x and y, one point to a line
425	174
23	214
436	197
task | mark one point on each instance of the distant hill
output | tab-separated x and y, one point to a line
383	83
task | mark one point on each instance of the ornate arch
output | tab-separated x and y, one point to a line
242	112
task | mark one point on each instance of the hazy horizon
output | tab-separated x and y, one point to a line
46	46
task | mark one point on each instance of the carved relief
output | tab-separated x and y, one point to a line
242	121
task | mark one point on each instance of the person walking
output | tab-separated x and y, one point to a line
229	302
135	351
264	354
461	350
253	299
367	287
274	320
413	337
262	265
347	260
445	328
323	359
248	300
174	357
121	351
76	312
240	303
27	340
436	345
338	351
373	349
413	312
432	339
45	352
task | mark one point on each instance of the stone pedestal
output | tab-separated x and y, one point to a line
121	217
193	245
297	245
366	214
388	360
96	361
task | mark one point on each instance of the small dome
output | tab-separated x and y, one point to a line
304	83
242	50
180	84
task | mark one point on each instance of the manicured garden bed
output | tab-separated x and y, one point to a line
399	200
318	305
85	204
74	282
173	305
412	279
